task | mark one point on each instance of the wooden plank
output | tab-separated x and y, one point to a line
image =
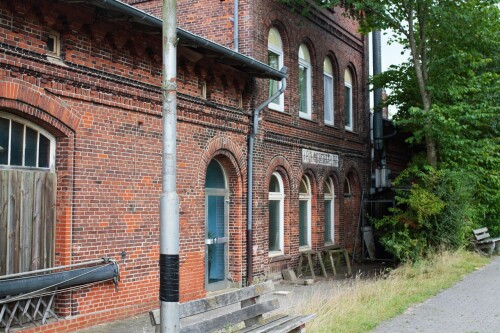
291	324
218	301
50	217
266	324
4	213
482	236
13	222
480	230
37	217
280	323
26	228
43	230
232	318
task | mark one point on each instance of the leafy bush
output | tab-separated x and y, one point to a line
433	211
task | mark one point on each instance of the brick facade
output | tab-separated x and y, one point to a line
102	102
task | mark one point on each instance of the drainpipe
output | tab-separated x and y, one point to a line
250	174
235	19
377	95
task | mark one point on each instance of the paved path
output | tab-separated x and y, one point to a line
471	305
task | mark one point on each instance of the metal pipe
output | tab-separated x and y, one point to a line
377	95
251	140
169	201
235	18
20	285
10	276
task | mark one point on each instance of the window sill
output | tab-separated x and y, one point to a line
304	248
275	107
305	116
56	60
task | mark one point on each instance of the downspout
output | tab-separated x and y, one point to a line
251	140
377	95
235	21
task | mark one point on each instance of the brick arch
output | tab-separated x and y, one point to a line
30	101
280	164
273	19
329	173
223	146
314	180
312	53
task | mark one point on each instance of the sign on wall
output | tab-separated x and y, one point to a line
317	157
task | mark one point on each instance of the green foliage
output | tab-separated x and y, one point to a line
448	94
434	210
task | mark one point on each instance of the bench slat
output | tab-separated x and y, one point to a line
489	240
232	318
218	301
480	230
294	322
280	323
481	234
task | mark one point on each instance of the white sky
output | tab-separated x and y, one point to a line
391	55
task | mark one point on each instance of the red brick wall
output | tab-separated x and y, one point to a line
104	107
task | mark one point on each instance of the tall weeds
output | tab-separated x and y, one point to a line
359	305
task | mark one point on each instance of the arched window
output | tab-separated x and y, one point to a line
25	145
276	207
305	90
328	92
275	60
328	191
347	189
305	214
349	117
216	235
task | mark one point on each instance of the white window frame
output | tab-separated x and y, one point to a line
56	37
332	92
279	52
279	196
349	98
39	130
304	63
331	197
306	197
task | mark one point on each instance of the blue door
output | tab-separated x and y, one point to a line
216	239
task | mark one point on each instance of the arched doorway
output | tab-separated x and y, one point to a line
216	227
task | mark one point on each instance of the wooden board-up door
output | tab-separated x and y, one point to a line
27	220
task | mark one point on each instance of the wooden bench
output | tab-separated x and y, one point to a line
483	243
242	307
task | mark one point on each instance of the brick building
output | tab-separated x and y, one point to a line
80	99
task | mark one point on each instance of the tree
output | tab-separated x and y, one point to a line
448	97
463	63
414	23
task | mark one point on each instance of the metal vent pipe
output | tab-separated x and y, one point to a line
378	132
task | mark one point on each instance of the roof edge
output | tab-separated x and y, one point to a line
139	15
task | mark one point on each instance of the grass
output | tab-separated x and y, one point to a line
359	305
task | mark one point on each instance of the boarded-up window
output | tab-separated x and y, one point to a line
27	220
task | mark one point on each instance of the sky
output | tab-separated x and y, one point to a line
391	55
